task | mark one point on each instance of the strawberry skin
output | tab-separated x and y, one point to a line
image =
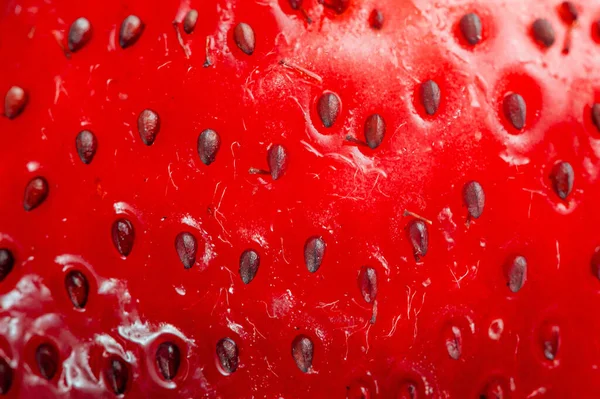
292	199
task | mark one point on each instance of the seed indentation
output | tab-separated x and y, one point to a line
454	342
376	19
80	34
493	390
595	263
367	282
470	27
131	30
36	193
314	250
430	96
243	35
117	375
277	159
569	12
515	110
189	21
302	352
7	262
6	376
46	358
338	6
408	390
550	339
86	144
186	247
249	263
15	102
419	238
123	235
474	198
148	125
596	115
562	177
543	32
374	130
227	354
328	108
77	287
168	359
517	273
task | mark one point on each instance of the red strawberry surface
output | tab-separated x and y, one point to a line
299	199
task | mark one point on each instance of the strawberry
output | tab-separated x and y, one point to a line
299	198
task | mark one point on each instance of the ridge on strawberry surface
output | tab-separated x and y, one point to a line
299	198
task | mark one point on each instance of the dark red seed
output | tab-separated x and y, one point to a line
374	130
46	358
516	273
117	375
295	4
550	338
328	108
430	96
249	262
376	19
543	33
86	145
168	359
595	263
454	342
314	250
131	30
596	115
78	288
15	102
302	352
36	192
227	354
186	246
408	390
419	238
148	126
568	12
562	177
515	110
358	390
209	143
80	34
470	27
6	376
123	235
367	282
277	159
474	198
189	21
493	390
243	35
338	6
7	262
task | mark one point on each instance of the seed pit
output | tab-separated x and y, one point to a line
470	27
123	235
14	102
249	263
77	288
168	359
338	6
131	30
568	12
419	238
328	108
116	375
208	146
186	247
227	356
595	263
562	177
7	262
36	193
148	125
550	340
596	116
543	32
243	35
516	273
189	21
493	390
302	352
6	376
46	357
376	19
408	390
80	34
86	145
430	97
